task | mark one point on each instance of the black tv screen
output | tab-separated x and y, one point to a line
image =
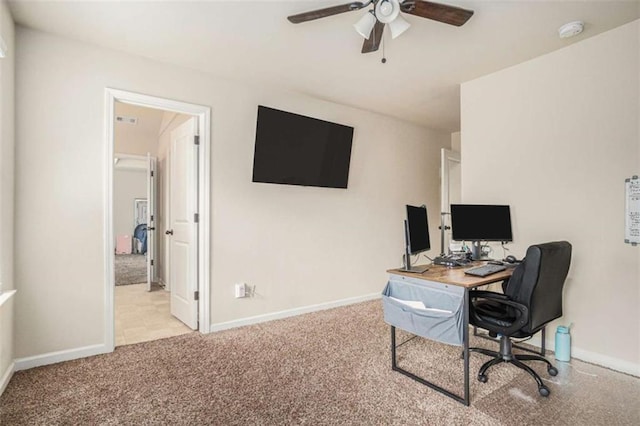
296	150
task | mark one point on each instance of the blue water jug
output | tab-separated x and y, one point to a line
563	344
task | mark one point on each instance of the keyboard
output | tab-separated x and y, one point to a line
484	270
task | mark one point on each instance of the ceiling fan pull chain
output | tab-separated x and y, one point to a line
384	60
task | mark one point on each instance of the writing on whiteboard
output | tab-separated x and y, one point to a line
632	211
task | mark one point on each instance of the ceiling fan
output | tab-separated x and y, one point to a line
371	25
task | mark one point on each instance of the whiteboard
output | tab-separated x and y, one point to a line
632	211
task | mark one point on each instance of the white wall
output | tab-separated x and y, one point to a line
456	140
7	149
6	191
555	138
127	186
299	246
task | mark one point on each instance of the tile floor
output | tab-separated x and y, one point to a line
141	316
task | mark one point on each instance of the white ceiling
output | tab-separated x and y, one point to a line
252	41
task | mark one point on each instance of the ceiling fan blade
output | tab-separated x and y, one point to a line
373	42
438	12
329	11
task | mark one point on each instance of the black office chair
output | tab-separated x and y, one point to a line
532	298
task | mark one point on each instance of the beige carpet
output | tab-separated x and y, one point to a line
324	368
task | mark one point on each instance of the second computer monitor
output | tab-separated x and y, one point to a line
417	229
480	222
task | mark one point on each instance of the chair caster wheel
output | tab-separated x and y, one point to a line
552	371
482	378
544	391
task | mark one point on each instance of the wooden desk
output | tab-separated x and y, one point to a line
456	276
444	276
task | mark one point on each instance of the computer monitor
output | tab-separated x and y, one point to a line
479	222
416	232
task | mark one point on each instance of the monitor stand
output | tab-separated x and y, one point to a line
476	250
419	269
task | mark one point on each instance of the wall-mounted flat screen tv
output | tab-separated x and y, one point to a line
296	150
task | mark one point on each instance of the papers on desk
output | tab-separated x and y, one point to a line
417	304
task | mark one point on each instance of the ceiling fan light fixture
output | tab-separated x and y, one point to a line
398	26
365	24
387	10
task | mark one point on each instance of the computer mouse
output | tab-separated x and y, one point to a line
510	259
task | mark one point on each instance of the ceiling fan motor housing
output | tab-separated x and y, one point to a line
387	10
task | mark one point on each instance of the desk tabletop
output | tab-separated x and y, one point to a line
456	275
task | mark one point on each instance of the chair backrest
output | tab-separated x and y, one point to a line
538	281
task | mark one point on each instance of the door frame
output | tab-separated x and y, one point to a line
203	198
447	156
152	218
142	160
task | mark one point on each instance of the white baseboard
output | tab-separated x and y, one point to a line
291	312
607	361
591	357
60	356
6	377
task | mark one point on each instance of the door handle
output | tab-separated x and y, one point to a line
151	228
169	232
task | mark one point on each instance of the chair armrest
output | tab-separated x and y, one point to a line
520	310
484	294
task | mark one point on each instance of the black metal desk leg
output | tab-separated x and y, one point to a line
465	337
394	366
393	348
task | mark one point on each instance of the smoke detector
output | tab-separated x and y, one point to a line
571	29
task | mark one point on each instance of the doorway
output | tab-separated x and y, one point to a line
134	203
190	287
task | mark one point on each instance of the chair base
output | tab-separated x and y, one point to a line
506	355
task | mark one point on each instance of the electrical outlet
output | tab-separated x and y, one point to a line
241	290
250	290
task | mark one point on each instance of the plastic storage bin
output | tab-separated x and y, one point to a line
123	244
441	318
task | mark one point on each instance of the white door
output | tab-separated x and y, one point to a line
151	220
450	192
182	231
